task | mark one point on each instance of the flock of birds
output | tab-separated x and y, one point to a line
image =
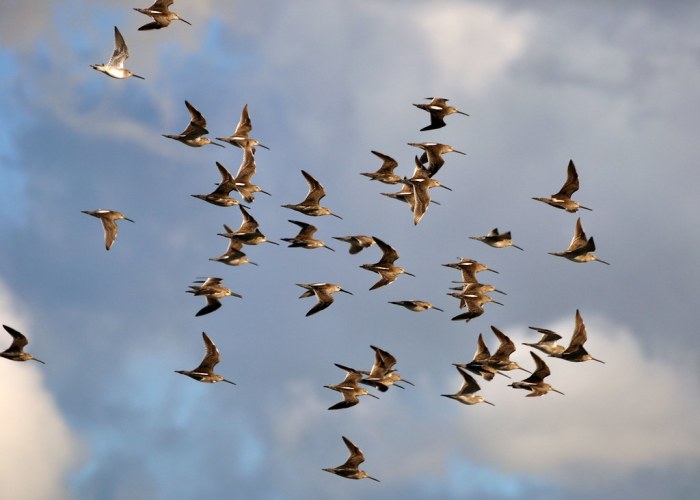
415	191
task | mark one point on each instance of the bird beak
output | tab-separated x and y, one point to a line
603	262
375	397
186	22
217	144
489	403
497	290
492	270
251	262
585	208
40	361
495	302
329	248
599	361
224	380
406	272
558	392
263	146
516	246
338	216
373	479
342	290
438	309
409	383
265	192
125	218
462	113
137	76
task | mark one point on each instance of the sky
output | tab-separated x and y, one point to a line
612	86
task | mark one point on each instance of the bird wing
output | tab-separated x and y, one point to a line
244	125
211	355
389	254
121	52
571	185
18	340
388	163
356	457
110	231
470	385
316	191
197	125
579	239
506	346
212	305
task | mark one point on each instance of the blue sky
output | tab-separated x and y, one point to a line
612	87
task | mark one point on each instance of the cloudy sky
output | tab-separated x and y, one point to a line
613	87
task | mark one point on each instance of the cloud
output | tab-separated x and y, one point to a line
39	447
612	422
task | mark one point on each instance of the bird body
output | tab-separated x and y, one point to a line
193	135
311	204
467	392
382	375
305	239
108	218
416	305
323	292
220	196
212	290
575	351
16	350
115	65
357	242
161	14
349	388
562	199
240	137
432	154
535	383
385	266
385	173
350	469
205	371
438	109
581	248
496	239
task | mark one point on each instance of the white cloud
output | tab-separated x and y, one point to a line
613	420
39	447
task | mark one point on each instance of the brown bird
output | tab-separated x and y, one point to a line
467	392
416	305
548	341
535	382
496	239
357	242
479	364
581	248
212	290
385	173
161	14
438	109
474	302
420	184
233	255
432	154
310	205
220	196
500	360
242	182
193	135
349	388
249	231
385	266
562	199
469	269
240	137
205	371
305	237
383	374
16	350
115	66
575	351
350	468
108	218
323	292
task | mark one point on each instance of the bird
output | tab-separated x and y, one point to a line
240	136
205	371
575	351
581	248
469	288
496	239
350	468
385	266
233	255
382	375
305	239
220	196
385	173
535	382
310	205
416	305
323	292
438	109
242	182
349	388
249	231
500	360
562	199
109	218
161	14
115	65
357	242
432	154
479	365
16	350
469	269
548	341
474	302
420	184
212	290
193	135
467	392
